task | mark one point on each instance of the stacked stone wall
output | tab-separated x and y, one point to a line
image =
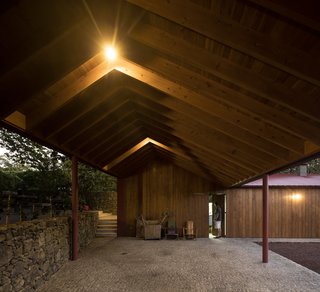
32	251
87	227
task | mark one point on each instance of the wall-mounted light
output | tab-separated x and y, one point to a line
296	197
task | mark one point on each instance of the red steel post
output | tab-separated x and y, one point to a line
265	220
75	208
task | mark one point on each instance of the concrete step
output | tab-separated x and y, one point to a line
106	233
107	222
102	229
102	214
107	218
107	225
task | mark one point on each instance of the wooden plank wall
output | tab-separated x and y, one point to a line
289	217
162	187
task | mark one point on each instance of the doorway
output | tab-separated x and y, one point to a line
219	198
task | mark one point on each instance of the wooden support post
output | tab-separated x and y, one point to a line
265	222
75	208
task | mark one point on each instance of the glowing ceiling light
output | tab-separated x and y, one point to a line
110	53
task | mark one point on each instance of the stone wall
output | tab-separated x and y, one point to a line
87	227
32	251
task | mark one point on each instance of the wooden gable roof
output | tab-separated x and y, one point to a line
226	89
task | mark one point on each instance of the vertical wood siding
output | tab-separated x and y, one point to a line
288	217
162	187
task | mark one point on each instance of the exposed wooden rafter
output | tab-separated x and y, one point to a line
226	90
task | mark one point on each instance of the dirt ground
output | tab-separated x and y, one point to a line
306	254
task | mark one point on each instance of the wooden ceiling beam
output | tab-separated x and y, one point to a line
235	171
107	139
68	87
226	31
51	59
212	163
248	104
201	132
104	154
100	113
134	162
186	154
87	124
105	128
300	12
185	134
210	120
191	166
209	105
226	70
126	154
111	139
16	119
84	104
219	162
205	139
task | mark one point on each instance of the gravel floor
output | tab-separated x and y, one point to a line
129	264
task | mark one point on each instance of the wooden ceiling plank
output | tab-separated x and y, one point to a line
207	159
127	154
225	69
107	139
17	119
185	135
75	130
70	86
202	171
190	133
109	142
232	34
311	148
95	135
17	96
212	121
201	132
178	155
135	162
233	171
104	154
260	110
84	107
224	163
287	11
189	157
208	105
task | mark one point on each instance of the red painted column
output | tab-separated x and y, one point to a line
265	219
75	208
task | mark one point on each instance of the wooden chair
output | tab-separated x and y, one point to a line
189	232
171	230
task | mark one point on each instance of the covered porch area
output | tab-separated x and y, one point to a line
130	264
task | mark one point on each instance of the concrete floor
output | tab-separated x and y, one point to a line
129	264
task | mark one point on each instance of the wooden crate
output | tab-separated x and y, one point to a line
152	231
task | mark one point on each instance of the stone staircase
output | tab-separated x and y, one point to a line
107	225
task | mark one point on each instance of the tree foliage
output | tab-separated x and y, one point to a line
313	167
36	170
24	152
